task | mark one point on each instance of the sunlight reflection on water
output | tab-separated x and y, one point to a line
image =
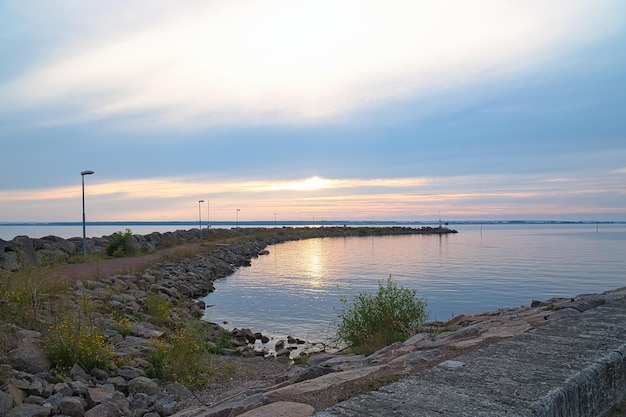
296	289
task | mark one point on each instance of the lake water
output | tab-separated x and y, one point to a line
296	289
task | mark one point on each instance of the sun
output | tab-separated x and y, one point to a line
311	184
308	184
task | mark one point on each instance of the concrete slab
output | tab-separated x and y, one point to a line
281	409
571	367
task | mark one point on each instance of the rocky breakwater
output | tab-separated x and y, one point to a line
31	388
23	250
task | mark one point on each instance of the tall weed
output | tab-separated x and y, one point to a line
369	322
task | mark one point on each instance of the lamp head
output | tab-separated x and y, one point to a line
88	172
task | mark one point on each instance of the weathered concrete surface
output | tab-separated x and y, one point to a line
280	409
572	367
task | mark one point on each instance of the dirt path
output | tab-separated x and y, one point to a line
113	266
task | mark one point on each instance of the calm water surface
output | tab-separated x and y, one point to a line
296	288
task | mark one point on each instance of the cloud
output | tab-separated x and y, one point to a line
293	62
389	198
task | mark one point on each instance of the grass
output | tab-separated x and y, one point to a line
25	296
158	308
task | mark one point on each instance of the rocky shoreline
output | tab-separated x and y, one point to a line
30	388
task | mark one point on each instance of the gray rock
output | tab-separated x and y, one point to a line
140	401
28	410
54	400
144	385
314	372
100	393
77	371
106	409
166	406
78	387
72	406
63	388
6	402
36	388
34	399
99	373
25	249
128	372
18	394
27	356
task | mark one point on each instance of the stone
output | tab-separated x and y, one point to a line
28	410
6	402
281	409
96	395
63	388
166	406
34	399
106	409
77	371
54	400
144	385
78	387
18	394
36	388
128	372
139	401
314	372
100	374
27	356
72	406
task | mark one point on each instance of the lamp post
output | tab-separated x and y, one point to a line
200	217
237	219
82	176
208	214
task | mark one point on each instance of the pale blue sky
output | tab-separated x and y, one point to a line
339	110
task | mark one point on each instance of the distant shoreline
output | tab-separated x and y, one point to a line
306	222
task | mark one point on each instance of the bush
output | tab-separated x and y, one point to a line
369	322
74	340
183	356
121	244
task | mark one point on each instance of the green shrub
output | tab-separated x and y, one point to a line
122	325
183	356
74	340
121	244
369	322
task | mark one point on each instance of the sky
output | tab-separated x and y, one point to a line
322	110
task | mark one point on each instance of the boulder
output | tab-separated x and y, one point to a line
28	410
72	406
143	385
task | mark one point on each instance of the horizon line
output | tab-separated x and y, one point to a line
305	222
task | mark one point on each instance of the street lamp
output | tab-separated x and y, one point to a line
200	217
237	218
82	176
